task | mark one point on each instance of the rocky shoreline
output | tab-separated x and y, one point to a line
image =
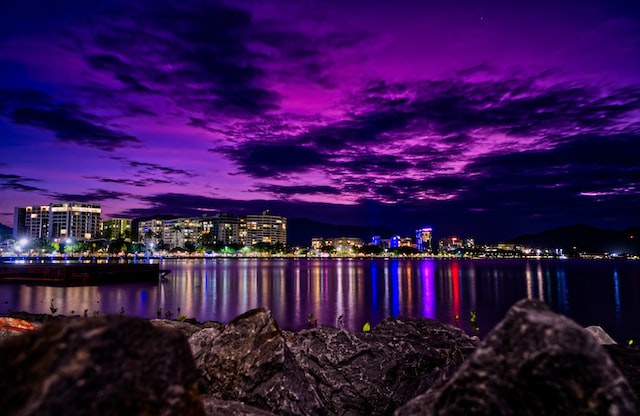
534	362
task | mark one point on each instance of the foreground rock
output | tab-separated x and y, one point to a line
98	366
374	373
326	370
250	362
627	359
534	362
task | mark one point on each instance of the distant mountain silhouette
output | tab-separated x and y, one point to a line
585	238
5	232
302	230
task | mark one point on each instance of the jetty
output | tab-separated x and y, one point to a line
71	274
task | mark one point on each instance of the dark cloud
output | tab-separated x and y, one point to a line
264	160
408	141
199	57
152	172
140	183
18	183
70	125
94	195
66	121
284	191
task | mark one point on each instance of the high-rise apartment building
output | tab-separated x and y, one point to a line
423	238
150	231
74	220
115	228
180	231
222	228
58	221
31	222
266	228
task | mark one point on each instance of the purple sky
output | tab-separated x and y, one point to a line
481	118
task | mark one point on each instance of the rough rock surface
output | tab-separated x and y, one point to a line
600	335
627	359
185	327
214	407
98	366
250	362
534	362
374	373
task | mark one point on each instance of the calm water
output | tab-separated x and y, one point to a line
605	293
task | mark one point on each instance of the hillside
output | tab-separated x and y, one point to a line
301	230
585	238
5	232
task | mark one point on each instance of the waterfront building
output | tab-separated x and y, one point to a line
150	231
266	228
73	220
450	244
349	244
423	238
115	228
180	232
31	222
390	243
340	244
242	230
57	221
222	228
406	242
317	243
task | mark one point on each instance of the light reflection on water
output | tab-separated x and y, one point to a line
604	293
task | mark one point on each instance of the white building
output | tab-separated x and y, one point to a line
58	221
74	220
222	228
266	228
31	222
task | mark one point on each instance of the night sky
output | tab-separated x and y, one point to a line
479	118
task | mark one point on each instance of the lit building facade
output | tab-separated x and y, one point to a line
423	238
115	228
150	231
58	221
266	228
73	220
223	228
317	243
348	244
180	231
450	244
31	222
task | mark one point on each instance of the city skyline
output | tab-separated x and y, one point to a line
490	119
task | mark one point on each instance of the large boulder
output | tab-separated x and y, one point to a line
213	407
534	362
375	372
600	335
98	366
627	359
250	362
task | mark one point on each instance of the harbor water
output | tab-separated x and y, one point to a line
303	292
